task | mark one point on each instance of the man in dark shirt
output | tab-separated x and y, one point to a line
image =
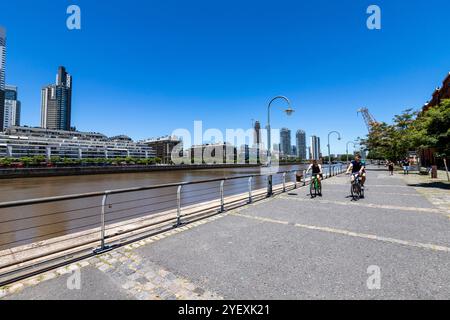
357	168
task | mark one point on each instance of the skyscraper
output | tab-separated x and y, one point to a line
12	107
301	144
285	142
56	102
2	57
257	140
315	148
2	75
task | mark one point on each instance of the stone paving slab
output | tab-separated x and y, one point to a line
95	285
241	258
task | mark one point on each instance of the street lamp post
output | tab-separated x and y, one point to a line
289	112
329	148
354	146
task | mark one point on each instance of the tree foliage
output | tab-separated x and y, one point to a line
411	131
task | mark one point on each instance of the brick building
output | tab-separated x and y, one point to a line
439	94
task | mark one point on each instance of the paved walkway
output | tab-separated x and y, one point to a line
395	244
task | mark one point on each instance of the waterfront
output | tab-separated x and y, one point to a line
29	224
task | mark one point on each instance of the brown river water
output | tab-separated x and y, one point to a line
28	224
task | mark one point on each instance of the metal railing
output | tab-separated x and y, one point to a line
96	216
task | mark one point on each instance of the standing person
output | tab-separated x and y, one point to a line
405	168
408	166
391	167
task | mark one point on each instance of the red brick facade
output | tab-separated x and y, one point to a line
439	94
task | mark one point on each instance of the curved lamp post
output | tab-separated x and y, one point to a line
354	146
329	148
289	111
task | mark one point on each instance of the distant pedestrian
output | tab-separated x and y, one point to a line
391	168
406	166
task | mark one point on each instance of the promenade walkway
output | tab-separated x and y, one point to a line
287	247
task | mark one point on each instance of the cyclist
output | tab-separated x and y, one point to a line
316	169
357	167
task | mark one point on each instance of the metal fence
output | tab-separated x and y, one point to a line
98	219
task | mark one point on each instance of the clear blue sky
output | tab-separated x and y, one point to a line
145	68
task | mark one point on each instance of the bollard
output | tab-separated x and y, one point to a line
304	177
284	182
222	203
250	197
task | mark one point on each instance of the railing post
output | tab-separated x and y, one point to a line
269	186
304	177
295	179
250	197
284	182
179	223
103	246
222	202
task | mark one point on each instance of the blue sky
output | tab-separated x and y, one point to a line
144	68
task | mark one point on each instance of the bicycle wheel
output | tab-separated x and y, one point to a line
312	189
358	190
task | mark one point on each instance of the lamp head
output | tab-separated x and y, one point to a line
289	111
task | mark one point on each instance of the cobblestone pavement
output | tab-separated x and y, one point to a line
129	276
437	191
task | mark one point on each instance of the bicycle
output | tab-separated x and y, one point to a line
315	186
357	190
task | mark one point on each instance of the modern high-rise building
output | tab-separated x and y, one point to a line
2	75
12	108
315	152
257	140
301	144
285	142
56	103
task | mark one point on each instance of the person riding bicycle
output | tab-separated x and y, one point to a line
357	167
316	169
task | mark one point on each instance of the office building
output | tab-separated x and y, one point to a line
56	103
257	140
164	146
285	142
2	75
11	115
315	152
439	94
301	144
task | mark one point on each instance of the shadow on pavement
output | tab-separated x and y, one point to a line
435	185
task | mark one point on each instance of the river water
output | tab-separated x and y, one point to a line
29	224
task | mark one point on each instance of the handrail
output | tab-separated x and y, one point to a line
20	203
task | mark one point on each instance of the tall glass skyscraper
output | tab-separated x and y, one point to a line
56	102
315	152
285	142
2	75
301	144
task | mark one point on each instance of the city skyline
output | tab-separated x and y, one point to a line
212	86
